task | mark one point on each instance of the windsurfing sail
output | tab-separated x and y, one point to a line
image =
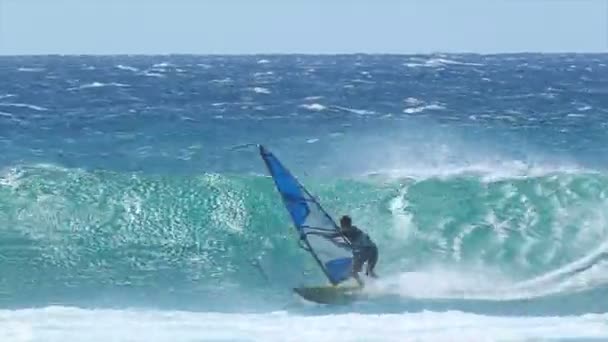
318	232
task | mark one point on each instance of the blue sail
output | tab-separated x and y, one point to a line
317	230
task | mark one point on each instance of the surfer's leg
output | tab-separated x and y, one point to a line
358	279
358	261
371	262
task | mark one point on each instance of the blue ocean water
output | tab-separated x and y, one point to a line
134	207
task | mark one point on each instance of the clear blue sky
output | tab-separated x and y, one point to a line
301	26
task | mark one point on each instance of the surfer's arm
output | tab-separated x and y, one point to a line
337	235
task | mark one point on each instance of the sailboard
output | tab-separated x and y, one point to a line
318	232
330	294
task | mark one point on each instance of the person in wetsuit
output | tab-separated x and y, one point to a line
364	249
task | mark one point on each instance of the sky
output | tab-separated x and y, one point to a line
301	26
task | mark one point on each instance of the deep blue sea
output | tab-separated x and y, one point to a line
134	205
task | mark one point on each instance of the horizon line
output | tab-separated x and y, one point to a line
523	52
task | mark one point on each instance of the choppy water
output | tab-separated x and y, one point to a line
130	201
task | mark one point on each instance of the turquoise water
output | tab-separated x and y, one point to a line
87	236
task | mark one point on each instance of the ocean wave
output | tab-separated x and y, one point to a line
208	228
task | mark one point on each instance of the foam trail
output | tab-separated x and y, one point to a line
583	264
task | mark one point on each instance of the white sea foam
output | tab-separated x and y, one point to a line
30	69
52	324
99	85
437	62
263	74
355	111
222	80
412	101
419	109
23	105
584	108
487	170
313	98
261	90
152	74
314	107
126	67
161	65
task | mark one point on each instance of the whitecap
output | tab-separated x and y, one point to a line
412	101
438	62
30	69
261	90
262	74
584	108
312	98
314	106
23	105
153	74
99	85
161	65
419	109
126	67
356	111
221	81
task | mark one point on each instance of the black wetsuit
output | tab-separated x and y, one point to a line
364	249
